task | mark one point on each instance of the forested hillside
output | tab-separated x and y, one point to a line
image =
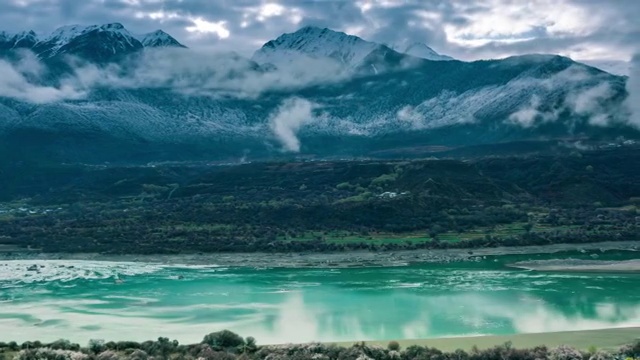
324	205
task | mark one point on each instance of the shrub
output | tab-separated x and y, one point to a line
375	352
601	355
96	346
50	354
632	350
249	345
63	344
564	352
394	355
363	357
217	355
223	339
459	354
108	355
393	345
124	345
138	355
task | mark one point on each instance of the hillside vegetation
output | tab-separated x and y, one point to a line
323	206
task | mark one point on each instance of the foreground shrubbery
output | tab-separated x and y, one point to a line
226	345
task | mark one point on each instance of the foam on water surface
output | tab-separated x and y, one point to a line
29	271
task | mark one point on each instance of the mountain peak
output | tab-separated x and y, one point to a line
315	42
23	39
112	26
95	42
159	38
66	32
420	50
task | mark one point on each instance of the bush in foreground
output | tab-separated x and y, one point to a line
226	345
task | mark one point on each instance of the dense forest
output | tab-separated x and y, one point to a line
226	345
583	196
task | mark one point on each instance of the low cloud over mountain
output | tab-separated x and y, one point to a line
299	92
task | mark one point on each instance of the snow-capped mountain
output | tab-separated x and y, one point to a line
315	43
158	38
347	50
98	43
24	39
179	105
51	45
420	50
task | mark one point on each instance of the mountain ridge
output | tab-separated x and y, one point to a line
323	43
158	38
167	105
104	42
420	50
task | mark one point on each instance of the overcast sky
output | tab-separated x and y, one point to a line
604	31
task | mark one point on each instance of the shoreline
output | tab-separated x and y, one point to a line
351	259
608	339
623	266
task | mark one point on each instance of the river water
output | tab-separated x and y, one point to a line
82	300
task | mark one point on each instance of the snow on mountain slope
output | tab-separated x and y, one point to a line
315	43
522	91
60	37
421	50
24	39
158	38
175	97
98	40
51	45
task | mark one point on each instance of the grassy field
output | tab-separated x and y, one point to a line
607	339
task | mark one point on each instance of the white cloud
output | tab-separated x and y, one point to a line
203	26
513	21
528	115
287	120
188	72
633	88
20	80
202	73
589	101
409	115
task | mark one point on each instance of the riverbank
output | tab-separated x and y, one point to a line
608	339
574	265
348	259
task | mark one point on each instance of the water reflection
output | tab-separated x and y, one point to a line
309	305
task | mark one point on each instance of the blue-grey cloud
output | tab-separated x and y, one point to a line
589	30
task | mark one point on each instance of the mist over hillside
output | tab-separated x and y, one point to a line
99	93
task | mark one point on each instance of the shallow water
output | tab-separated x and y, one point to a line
82	300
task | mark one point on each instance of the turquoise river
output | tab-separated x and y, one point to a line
82	300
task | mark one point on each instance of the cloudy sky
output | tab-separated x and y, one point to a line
603	32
